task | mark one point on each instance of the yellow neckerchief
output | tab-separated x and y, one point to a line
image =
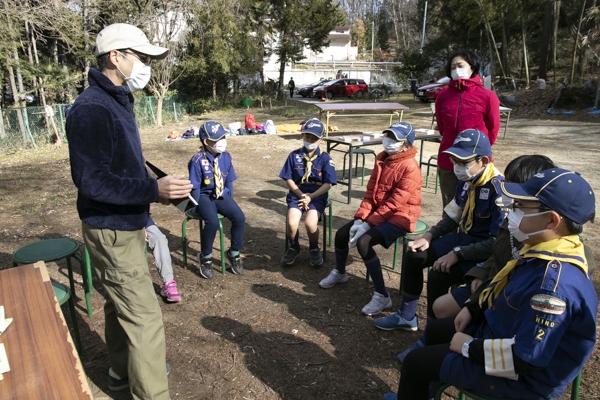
218	178
466	220
566	249
309	163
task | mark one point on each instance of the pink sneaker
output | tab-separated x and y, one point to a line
169	292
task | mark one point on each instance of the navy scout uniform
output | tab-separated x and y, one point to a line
322	171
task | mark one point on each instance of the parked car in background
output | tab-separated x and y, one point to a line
342	88
430	91
306	91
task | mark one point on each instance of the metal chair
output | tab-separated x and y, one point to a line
327	219
63	294
191	214
430	164
464	394
53	250
357	152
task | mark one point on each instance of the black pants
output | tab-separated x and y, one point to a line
365	243
421	367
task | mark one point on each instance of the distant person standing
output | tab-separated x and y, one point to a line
465	104
291	86
114	192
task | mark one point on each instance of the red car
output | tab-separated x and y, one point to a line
430	91
342	88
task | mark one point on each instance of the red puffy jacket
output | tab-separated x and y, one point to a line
393	192
465	104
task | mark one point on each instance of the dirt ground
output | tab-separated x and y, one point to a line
270	333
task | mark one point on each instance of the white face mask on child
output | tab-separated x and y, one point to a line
392	146
514	221
311	146
220	146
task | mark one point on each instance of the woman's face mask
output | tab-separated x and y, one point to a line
460	73
392	146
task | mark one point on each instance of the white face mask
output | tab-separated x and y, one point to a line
392	146
220	146
460	73
514	221
310	146
140	75
462	172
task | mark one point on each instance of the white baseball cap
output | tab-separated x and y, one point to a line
125	36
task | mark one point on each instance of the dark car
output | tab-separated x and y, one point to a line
306	91
430	91
348	87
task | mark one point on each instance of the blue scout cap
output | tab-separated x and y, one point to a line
470	143
564	191
402	131
314	127
212	130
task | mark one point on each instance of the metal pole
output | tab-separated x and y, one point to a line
423	34
372	37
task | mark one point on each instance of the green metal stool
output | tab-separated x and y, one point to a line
63	294
464	394
357	152
429	164
327	219
420	229
54	250
191	214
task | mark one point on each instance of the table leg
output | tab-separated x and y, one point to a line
86	274
506	125
421	153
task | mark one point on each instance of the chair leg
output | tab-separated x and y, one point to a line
71	280
395	254
404	249
437	179
344	168
222	240
575	387
330	224
362	181
440	391
75	335
324	217
184	241
87	283
427	176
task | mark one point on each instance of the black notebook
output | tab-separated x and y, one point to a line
183	204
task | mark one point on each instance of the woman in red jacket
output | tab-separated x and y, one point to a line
389	209
465	104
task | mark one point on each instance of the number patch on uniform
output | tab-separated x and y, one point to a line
540	335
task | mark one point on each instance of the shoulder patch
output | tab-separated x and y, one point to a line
548	304
331	163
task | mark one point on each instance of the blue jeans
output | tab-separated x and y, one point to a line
226	206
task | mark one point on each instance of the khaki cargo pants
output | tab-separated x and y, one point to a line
134	332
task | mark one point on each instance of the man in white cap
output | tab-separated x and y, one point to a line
114	195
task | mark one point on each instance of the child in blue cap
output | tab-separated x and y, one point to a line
478	219
212	176
390	209
534	326
309	174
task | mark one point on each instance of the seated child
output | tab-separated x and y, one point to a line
389	210
473	211
158	244
309	174
212	176
534	326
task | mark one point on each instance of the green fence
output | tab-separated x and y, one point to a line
30	127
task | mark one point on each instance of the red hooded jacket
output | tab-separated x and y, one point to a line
393	192
465	104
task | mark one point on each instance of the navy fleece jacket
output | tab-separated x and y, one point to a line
107	166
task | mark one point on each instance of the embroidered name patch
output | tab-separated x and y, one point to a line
484	194
548	304
545	322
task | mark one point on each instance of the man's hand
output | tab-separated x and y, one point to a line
444	263
421	244
458	340
173	187
462	320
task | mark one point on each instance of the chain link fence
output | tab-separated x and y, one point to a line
30	127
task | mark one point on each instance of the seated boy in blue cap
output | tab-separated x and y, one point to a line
478	219
534	326
212	176
309	174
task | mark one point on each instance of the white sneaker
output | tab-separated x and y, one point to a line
333	278
377	304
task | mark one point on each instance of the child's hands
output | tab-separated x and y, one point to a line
304	201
